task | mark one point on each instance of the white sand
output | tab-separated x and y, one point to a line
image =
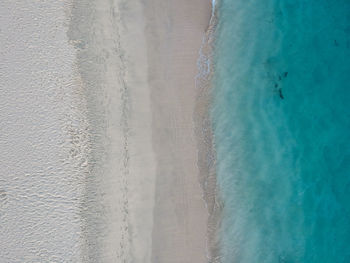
120	193
44	143
99	157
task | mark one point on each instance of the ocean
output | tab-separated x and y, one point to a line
281	124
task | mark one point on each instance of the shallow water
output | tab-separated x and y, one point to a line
281	123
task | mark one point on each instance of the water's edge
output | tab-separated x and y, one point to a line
205	138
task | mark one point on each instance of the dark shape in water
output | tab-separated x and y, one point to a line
280	93
285	74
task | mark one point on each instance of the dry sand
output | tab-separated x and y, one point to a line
43	135
117	212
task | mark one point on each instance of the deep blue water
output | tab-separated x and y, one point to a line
281	120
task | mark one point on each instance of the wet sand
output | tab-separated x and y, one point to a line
175	30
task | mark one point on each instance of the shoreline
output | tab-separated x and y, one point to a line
106	91
205	137
174	35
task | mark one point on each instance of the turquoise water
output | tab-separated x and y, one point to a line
281	120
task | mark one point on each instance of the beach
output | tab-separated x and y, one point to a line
119	196
138	64
175	31
174	131
105	168
44	136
